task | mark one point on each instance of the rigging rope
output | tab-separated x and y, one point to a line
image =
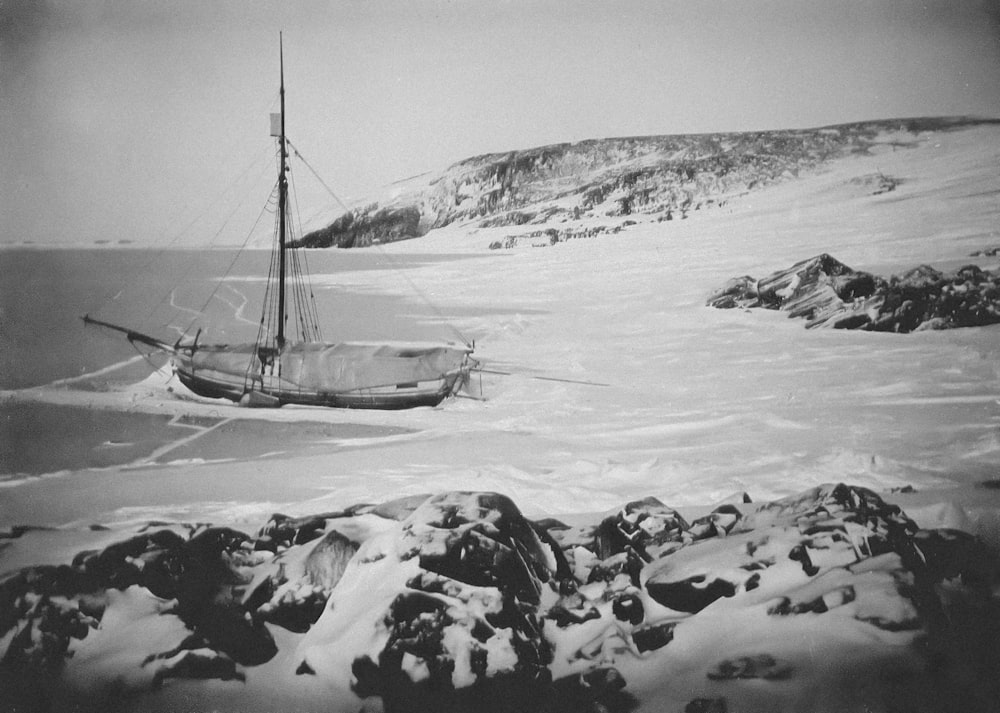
423	296
126	284
266	326
219	282
229	269
309	310
420	293
317	176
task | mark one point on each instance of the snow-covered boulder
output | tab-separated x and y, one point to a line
828	600
828	293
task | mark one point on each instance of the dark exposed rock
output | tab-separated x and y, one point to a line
367	226
793	285
488	543
757	666
199	664
601	690
946	554
627	564
19	530
152	560
637	527
474	548
706	705
628	607
986	252
827	293
550	523
653	636
737	292
564	617
718	523
200	574
689	595
295	610
42	645
877	183
800	554
552	236
598	691
830	600
282	531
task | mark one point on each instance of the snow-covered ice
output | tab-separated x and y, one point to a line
686	403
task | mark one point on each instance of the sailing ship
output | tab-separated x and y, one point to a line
275	369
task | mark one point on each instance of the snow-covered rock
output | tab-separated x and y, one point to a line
828	600
828	293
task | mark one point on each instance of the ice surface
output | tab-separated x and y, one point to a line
699	403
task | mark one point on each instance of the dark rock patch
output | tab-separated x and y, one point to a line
707	705
468	545
653	636
367	226
637	528
628	607
201	574
827	293
986	252
689	595
282	531
762	666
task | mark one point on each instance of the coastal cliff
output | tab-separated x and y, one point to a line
650	178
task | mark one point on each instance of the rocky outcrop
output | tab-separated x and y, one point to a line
457	602
657	177
827	293
551	236
367	226
465	616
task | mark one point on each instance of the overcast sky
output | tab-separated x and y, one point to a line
128	119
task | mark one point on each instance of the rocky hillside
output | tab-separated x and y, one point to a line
647	178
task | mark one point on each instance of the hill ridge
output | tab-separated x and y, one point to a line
660	177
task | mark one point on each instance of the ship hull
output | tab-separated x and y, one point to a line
423	394
355	376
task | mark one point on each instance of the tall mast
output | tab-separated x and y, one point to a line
282	201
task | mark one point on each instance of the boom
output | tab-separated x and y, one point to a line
132	335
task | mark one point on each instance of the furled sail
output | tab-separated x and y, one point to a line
323	369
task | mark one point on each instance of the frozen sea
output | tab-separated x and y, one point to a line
687	403
165	294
